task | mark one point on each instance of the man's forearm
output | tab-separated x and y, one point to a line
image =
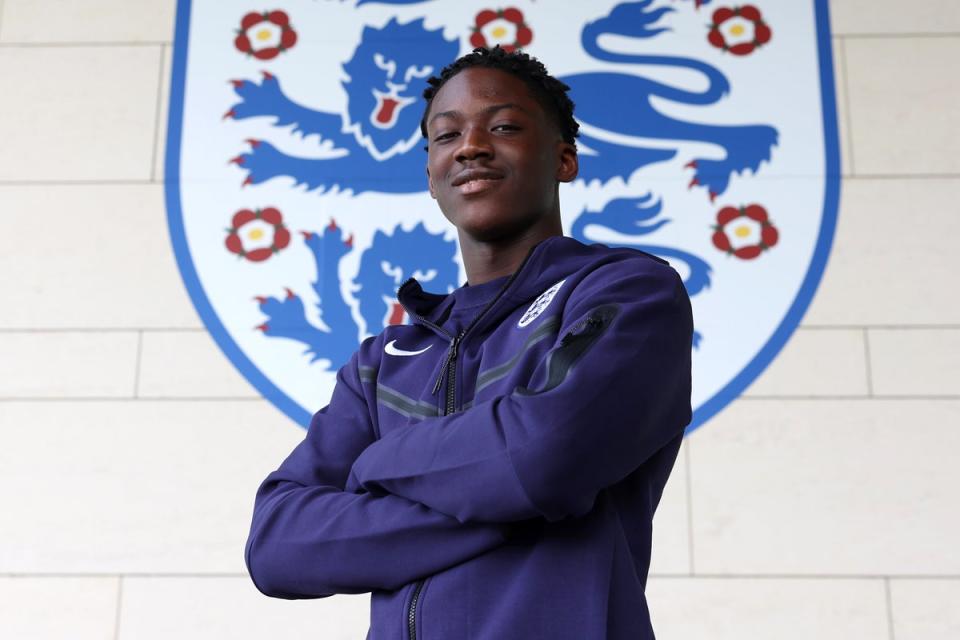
308	542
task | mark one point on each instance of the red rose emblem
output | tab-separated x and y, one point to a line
744	232
504	27
265	35
739	30
256	235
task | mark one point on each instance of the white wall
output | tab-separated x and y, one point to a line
823	504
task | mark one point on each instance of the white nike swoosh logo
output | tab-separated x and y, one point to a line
394	351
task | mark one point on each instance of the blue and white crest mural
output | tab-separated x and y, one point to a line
297	193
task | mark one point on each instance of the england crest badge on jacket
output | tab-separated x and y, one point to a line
297	196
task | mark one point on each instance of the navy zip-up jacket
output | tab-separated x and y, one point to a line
491	471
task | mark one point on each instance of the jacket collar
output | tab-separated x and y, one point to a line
547	263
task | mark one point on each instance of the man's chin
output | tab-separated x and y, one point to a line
495	232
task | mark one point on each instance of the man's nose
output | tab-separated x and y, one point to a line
474	144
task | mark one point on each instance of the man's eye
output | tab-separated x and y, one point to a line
506	127
440	137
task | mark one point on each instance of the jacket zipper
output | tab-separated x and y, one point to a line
412	612
449	369
452	374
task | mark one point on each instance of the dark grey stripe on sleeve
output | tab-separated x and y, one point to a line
490	376
404	405
367	374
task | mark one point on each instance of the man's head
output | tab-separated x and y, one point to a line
501	137
550	92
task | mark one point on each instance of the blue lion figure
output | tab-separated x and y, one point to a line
385	80
389	261
636	217
633	113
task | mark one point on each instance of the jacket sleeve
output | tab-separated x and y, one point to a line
311	538
612	391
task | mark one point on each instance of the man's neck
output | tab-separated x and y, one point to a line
486	261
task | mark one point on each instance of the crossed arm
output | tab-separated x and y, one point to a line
349	513
311	538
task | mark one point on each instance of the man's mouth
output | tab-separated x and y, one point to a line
473	181
476	186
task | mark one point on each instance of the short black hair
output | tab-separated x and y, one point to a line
548	91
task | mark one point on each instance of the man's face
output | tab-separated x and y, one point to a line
494	157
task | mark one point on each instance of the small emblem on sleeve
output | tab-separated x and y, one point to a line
539	305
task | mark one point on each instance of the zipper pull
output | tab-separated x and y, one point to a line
454	344
451	355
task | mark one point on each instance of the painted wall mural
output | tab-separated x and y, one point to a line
297	198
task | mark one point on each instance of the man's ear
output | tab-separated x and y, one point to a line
433	191
569	164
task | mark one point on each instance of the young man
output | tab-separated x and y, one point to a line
491	470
